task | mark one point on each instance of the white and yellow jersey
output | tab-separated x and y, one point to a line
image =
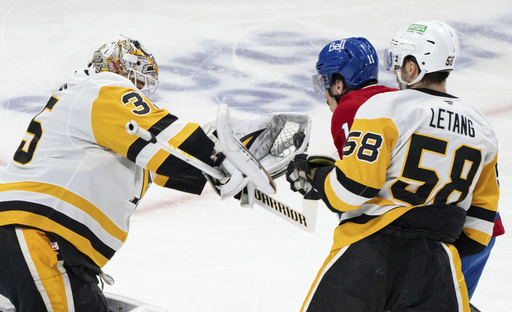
79	174
409	149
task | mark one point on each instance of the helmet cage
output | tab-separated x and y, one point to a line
321	83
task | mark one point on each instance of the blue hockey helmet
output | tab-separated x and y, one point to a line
355	59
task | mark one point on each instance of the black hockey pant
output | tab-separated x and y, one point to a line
385	273
34	277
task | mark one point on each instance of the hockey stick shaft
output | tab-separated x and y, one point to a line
133	128
305	219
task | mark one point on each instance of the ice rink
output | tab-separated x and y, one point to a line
197	253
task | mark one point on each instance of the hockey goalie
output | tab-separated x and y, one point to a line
82	167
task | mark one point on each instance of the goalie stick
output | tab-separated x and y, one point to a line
274	139
133	128
237	155
304	219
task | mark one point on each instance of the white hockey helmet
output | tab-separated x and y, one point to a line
434	44
128	58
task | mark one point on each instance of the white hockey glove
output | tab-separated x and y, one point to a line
299	175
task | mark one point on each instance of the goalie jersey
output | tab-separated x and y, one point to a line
410	149
79	174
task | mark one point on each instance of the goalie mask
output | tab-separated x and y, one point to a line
433	44
129	59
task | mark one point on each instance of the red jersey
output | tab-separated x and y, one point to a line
344	113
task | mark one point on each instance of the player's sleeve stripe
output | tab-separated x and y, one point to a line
140	144
135	148
486	193
157	160
160	180
355	187
171	166
479	224
362	219
185	133
478	236
344	193
481	213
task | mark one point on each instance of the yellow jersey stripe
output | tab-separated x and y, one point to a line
350	232
458	277
47	225
184	134
157	160
478	236
72	199
46	264
160	180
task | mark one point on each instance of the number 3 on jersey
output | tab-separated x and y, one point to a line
27	148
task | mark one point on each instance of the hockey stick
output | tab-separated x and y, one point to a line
133	128
239	162
274	139
305	219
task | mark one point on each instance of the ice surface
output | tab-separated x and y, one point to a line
189	253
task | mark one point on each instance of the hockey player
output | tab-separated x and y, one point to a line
77	176
473	265
415	163
347	76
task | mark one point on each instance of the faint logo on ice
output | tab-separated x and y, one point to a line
261	72
266	70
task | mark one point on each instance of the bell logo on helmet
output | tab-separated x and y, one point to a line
417	27
352	58
337	45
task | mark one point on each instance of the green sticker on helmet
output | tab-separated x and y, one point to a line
417	27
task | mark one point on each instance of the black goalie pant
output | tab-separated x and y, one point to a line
34	277
385	273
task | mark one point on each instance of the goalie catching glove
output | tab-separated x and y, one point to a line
300	173
272	140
